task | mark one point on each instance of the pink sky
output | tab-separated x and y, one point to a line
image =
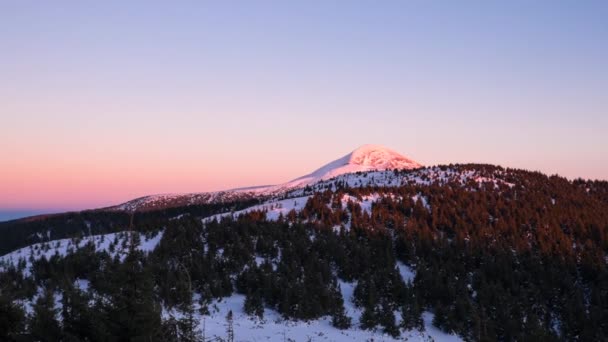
75	178
101	104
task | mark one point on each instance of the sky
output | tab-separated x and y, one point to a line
102	102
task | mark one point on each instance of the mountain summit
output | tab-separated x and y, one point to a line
364	158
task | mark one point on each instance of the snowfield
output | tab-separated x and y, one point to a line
274	328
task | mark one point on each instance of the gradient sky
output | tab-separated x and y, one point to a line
101	102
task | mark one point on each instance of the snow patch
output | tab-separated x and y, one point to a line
406	272
273	209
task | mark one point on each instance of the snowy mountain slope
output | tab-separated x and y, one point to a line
116	244
298	188
470	177
364	158
273	209
422	176
154	202
246	328
296	199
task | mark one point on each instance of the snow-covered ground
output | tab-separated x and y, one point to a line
299	188
62	247
406	272
272	208
273	327
363	159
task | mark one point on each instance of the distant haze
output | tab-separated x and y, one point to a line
7	215
104	102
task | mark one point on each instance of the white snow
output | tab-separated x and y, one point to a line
370	165
82	285
363	159
65	246
273	209
273	327
407	273
437	334
424	201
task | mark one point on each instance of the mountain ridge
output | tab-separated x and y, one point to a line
401	253
367	157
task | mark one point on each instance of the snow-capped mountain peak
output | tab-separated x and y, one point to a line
364	158
380	158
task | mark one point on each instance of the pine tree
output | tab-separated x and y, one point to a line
187	326
170	330
43	324
133	312
12	320
338	317
188	331
254	305
368	318
387	319
411	313
229	327
77	318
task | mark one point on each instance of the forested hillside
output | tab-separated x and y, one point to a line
491	254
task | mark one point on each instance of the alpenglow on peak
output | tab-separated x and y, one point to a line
364	158
380	158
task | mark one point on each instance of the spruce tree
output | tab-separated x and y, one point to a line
133	312
12	319
43	324
229	327
411	313
338	317
77	318
188	330
254	305
387	319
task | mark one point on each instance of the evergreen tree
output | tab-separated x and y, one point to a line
77	319
133	313
43	324
188	330
387	319
254	305
368	318
170	330
411	313
229	327
339	319
12	319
